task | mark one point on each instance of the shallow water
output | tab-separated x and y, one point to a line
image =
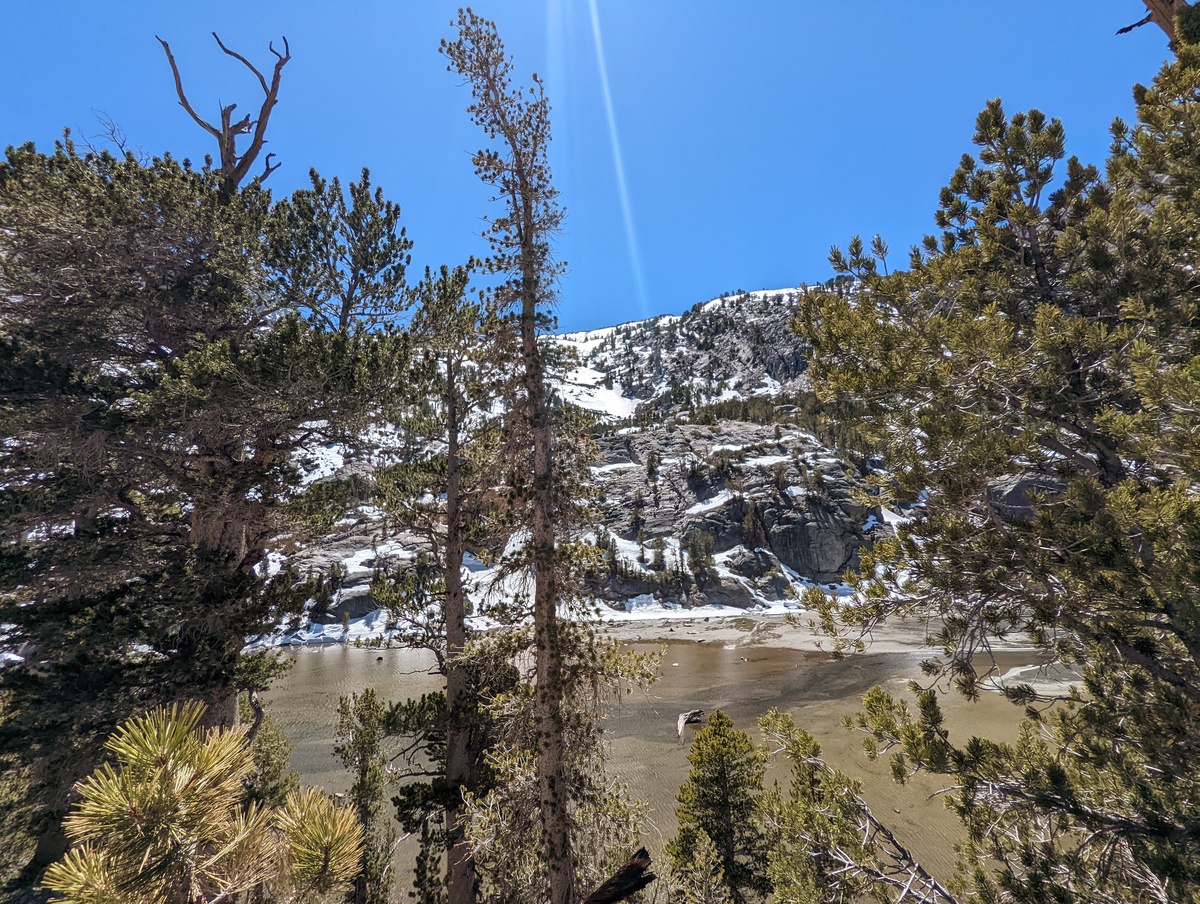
743	680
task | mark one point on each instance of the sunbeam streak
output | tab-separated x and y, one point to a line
635	262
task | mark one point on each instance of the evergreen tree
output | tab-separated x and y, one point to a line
342	263
718	806
444	497
359	745
1033	376
518	120
154	400
825	845
505	823
659	562
700	550
700	880
754	536
637	509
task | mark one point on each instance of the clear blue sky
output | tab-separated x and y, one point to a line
752	135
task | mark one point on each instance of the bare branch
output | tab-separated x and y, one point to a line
1162	13
1149	17
235	167
260	127
237	56
183	101
268	169
259	713
631	878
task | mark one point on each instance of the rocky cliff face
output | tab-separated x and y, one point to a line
689	513
750	488
730	347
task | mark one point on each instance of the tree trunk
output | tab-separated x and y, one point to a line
464	880
548	693
222	708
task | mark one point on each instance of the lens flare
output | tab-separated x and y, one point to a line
635	262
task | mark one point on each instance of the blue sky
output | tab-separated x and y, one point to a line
752	135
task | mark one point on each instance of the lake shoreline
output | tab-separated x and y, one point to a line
744	664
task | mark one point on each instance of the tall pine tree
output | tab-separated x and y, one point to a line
1032	379
154	393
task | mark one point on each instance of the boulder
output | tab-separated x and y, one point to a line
1008	496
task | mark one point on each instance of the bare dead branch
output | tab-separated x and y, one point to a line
234	166
631	878
268	169
259	713
183	101
237	56
1149	17
1162	13
260	127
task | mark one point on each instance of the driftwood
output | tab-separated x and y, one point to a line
628	880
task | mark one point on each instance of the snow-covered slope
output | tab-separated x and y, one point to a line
727	348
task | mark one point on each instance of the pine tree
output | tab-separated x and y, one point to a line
700	549
825	844
718	805
1033	375
700	880
155	400
754	536
168	823
359	745
444	497
519	121
343	262
659	562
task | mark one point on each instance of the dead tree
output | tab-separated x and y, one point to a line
234	166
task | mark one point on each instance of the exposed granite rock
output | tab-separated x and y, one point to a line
1009	496
707	478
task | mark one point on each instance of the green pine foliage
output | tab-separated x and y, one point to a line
340	261
1032	378
659	560
361	727
700	880
153	401
754	535
504	829
701	550
168	822
826	846
719	812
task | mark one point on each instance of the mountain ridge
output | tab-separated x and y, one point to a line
770	510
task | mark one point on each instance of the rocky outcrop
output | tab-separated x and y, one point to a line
776	509
745	486
1009	496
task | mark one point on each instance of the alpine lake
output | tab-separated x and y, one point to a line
702	668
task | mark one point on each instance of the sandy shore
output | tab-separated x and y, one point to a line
785	632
